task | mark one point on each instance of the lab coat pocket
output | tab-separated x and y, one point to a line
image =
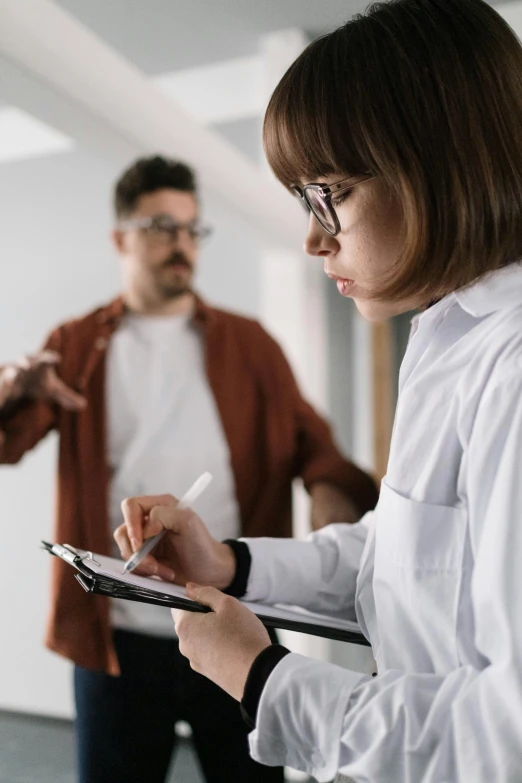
419	549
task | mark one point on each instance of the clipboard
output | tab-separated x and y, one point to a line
103	575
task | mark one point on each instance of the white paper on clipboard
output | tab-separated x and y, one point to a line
112	567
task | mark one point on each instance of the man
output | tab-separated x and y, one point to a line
146	394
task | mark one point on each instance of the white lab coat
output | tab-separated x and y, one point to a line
433	575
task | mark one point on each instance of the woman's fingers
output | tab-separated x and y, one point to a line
122	539
208	596
136	512
121	536
168	517
221	644
149	566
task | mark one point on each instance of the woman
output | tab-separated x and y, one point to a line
409	119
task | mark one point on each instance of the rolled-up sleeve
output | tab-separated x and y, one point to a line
30	420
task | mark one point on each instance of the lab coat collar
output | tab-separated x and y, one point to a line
498	290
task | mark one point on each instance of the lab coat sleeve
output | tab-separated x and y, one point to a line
319	573
426	728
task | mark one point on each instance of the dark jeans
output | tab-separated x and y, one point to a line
125	725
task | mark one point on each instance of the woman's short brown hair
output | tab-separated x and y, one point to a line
427	96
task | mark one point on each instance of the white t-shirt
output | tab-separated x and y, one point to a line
164	430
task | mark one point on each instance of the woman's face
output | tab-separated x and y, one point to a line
367	246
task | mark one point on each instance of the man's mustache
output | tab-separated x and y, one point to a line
176	258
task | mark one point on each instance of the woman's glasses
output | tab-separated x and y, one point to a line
317	198
163	230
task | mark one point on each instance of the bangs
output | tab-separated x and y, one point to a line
302	137
405	93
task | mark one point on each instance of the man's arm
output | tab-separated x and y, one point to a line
331	504
319	462
30	392
340	491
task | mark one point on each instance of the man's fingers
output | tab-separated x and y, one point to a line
48	357
209	596
65	396
33	361
136	515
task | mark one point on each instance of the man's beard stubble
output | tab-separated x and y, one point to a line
171	284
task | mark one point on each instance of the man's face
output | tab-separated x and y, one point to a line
158	264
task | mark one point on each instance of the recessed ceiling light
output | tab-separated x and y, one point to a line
24	136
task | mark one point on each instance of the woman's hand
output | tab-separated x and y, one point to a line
223	644
186	552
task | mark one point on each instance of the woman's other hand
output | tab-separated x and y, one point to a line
223	644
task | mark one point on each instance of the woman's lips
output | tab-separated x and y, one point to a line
344	284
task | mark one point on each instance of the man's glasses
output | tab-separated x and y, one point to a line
163	230
317	198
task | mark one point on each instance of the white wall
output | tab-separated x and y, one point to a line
512	13
56	262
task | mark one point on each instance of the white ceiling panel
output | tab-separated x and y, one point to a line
24	136
160	36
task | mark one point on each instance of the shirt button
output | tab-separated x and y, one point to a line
317	759
101	343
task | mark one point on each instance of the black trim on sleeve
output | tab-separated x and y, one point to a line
258	675
238	585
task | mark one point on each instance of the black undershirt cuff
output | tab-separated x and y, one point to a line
258	675
268	658
238	585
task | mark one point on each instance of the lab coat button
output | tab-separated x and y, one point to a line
317	759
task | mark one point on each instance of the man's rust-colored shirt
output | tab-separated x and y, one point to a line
273	435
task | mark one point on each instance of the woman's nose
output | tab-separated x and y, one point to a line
317	241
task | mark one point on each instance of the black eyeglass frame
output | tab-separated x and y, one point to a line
198	232
327	193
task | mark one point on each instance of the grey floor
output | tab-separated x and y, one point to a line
41	750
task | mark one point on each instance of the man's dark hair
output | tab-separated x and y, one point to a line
146	175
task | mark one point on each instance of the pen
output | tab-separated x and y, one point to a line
188	498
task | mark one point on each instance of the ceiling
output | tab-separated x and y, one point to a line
165	36
160	36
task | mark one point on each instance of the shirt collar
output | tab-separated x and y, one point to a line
498	290
113	312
